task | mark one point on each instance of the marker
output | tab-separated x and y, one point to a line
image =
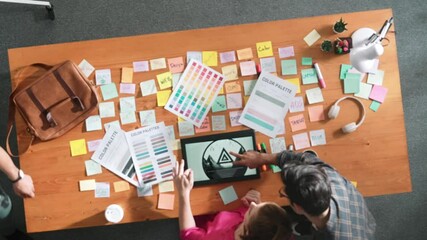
264	150
258	69
319	76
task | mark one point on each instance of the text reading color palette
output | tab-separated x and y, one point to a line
193	97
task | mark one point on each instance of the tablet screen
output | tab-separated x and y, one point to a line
210	159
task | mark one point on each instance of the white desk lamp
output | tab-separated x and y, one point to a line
367	47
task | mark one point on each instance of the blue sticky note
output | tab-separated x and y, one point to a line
109	91
289	67
309	76
375	105
344	69
351	85
219	104
307	61
228	195
194	55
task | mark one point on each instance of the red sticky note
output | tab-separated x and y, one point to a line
176	65
316	113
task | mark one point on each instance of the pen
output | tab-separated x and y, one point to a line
264	150
319	75
259	149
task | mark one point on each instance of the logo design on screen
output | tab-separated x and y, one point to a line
218	163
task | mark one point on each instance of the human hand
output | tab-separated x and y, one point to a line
24	187
251	196
250	159
183	180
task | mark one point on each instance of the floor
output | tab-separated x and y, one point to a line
400	216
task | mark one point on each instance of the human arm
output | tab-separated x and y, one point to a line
251	196
24	187
184	183
253	159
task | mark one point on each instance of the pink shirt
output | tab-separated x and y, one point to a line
216	226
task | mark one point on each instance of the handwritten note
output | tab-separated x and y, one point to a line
312	37
268	64
127	88
92	168
93	145
210	58
147	117
109	91
314	95
164	80
234	118
364	90
158	63
309	76
296	105
127	117
166	201
196	55
378	93
301	141
264	49
102	190
248	85
163	97
205	127
86	68
219	104
318	137
166	186
230	72
127	104
316	113
218	123
103	76
141	66
78	147
286	52
148	87
234	100
248	68
87	185
115	123
244	54
228	195
106	109
289	67
127	75
93	123
297	122
296	82
232	87
185	129
226	57
176	65
277	144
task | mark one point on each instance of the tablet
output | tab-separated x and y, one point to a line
210	159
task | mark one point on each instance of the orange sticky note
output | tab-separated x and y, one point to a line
127	75
176	65
121	186
210	58
354	183
316	113
78	147
295	81
205	127
166	201
297	122
264	49
244	54
163	97
232	87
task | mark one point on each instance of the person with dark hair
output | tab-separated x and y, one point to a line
253	221
334	207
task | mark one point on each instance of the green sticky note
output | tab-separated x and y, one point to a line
344	70
275	168
353	76
351	85
307	61
309	76
109	91
289	67
375	105
219	104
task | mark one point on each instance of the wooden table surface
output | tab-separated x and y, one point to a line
375	155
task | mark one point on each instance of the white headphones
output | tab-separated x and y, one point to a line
335	109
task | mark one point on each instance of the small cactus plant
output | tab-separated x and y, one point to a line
326	46
339	26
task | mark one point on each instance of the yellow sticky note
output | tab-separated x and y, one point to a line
87	185
163	97
127	75
354	183
312	37
246	99
295	81
210	58
221	91
264	49
166	201
78	147
165	80
230	72
244	54
166	187
232	87
121	186
180	119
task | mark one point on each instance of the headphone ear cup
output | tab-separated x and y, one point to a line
333	112
351	127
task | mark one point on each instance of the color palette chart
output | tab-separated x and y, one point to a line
152	156
195	92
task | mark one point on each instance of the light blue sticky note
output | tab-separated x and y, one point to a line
127	104
375	105
344	69
109	91
92	168
194	55
145	190
219	104
351	85
93	123
228	195
307	61
268	64
275	168
309	76
102	190
147	117
127	117
353	76
248	85
289	67
185	128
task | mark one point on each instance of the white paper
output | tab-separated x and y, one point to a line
314	95
318	137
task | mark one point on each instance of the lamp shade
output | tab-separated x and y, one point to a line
362	57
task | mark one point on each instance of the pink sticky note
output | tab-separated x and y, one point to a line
93	145
297	122
316	113
248	68
226	57
166	201
176	65
141	66
205	127
378	93
301	141
128	88
286	52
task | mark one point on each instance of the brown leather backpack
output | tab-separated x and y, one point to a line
54	103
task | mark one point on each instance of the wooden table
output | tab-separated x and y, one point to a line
375	155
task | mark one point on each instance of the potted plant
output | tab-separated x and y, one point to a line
343	45
326	46
339	26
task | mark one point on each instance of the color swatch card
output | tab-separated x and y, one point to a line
151	153
268	104
113	154
195	93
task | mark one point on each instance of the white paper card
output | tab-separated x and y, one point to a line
314	95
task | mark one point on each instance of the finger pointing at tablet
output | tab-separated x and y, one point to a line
250	159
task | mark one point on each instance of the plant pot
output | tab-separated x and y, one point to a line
343	45
326	46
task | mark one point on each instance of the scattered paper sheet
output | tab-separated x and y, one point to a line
244	54
264	49
296	82
230	72
318	137
232	87
248	68
164	80
127	75
121	186
378	93
93	123
86	68
286	52
228	195
185	129
166	186
158	63
289	67
312	37
196	55
268	64
93	145
127	117
210	58
195	93
316	113
364	90
144	191
102	190
218	123
78	147
301	141
297	122
226	57
309	76
248	86
314	95
127	88
375	105
205	127
92	168
234	118
234	100
127	104
141	66
87	185
163	97
296	105
148	87
147	117
109	91
376	78
103	76
268	104
166	201
176	65
114	154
